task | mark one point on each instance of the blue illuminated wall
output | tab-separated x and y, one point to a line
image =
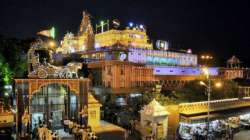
162	58
192	71
151	60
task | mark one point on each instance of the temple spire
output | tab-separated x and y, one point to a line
86	29
85	23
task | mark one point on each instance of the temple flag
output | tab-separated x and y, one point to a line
48	33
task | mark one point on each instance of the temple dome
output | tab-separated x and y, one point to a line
233	60
154	108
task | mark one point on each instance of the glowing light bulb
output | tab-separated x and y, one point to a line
131	24
141	26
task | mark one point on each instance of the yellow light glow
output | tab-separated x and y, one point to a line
52	44
218	84
202	83
205	71
126	37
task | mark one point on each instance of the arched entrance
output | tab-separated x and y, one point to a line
51	104
35	96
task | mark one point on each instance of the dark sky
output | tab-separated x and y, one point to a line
220	27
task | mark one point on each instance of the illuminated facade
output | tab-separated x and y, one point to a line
121	77
70	44
135	38
122	62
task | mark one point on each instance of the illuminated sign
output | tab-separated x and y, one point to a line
123	56
162	45
116	23
97	45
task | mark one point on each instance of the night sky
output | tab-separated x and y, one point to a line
220	27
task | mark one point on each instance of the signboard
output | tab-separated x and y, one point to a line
162	45
123	56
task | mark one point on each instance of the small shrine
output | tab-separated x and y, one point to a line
93	111
154	118
233	69
233	62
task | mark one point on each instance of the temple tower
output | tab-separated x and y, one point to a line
86	35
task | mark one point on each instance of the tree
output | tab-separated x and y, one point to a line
162	98
13	62
5	73
193	92
229	89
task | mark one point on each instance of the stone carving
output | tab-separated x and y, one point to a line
46	69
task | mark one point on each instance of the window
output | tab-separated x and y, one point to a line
109	72
122	84
109	84
122	69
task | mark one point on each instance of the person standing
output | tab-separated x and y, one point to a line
35	132
71	124
84	135
84	116
125	135
39	121
65	124
231	135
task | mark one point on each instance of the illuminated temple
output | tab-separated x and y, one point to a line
70	80
124	61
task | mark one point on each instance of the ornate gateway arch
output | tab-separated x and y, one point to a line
30	86
43	101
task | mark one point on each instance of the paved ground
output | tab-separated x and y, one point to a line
108	136
242	135
118	135
106	131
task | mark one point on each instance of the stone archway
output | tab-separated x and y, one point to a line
27	88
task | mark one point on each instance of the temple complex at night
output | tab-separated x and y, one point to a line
125	61
124	70
70	80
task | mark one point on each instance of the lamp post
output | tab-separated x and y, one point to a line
209	90
205	59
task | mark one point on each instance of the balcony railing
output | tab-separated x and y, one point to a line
216	105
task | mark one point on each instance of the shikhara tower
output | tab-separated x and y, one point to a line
84	40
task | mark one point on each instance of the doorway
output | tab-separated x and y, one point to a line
52	104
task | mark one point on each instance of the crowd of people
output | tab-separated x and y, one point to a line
80	132
71	127
44	133
218	129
